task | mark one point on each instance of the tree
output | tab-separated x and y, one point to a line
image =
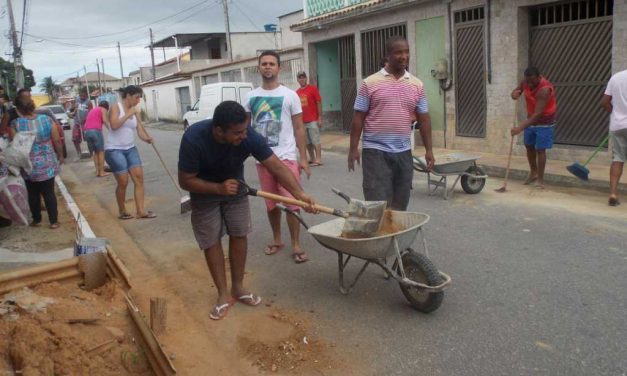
50	87
7	72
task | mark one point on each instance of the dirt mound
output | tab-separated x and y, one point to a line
298	351
46	343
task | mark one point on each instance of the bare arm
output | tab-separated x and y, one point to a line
141	131
4	128
606	103
543	97
114	119
319	114
105	120
517	91
192	183
56	141
425	133
301	143
356	129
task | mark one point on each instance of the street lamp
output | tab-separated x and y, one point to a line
176	46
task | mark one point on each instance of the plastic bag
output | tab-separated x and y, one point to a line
14	200
17	154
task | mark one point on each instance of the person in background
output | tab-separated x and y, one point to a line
539	127
615	102
11	113
93	135
46	157
121	153
275	113
81	108
311	102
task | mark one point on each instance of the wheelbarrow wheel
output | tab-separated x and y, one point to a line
419	268
470	184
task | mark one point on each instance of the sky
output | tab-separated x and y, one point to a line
62	36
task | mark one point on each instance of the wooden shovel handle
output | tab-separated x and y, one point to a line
302	204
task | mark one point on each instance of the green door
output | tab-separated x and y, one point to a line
329	75
430	49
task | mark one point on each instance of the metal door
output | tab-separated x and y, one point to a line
348	81
470	92
571	44
184	99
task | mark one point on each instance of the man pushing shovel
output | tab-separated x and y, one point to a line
211	162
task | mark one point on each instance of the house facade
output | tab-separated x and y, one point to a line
470	54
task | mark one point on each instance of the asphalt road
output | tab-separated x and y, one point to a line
538	276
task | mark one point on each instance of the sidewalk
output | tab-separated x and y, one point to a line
494	165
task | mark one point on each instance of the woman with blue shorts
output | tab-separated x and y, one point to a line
121	153
93	135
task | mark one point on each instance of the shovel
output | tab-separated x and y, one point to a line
185	201
363	218
580	170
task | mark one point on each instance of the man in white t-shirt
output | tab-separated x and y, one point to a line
615	102
275	113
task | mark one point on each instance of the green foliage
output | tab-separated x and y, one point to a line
7	73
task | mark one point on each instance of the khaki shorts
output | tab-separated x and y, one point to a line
211	220
313	133
619	145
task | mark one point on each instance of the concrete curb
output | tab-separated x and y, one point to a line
84	229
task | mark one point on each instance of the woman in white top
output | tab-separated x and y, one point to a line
122	155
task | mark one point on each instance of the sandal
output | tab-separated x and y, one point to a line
273	248
55	226
125	216
613	201
250	299
300	257
219	311
147	215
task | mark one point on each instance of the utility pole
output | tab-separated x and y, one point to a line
98	67
104	77
120	56
86	82
228	30
152	57
17	49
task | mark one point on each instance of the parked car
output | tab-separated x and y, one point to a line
211	96
60	115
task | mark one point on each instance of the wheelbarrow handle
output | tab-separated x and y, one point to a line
292	201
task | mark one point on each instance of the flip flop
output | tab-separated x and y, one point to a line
249	299
530	180
219	311
273	248
55	226
315	164
613	201
147	215
300	257
125	216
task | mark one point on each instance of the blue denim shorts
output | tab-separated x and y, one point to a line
121	161
539	136
95	141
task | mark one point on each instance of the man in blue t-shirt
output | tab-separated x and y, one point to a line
211	161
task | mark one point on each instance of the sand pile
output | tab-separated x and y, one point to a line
45	342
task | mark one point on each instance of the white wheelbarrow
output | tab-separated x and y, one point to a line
419	279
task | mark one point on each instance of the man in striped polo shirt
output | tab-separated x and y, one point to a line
386	104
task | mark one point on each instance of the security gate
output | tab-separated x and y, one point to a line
571	44
348	81
470	92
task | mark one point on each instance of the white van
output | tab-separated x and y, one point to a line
211	96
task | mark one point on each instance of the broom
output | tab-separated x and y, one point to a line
185	200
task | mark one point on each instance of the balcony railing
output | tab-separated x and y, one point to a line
317	7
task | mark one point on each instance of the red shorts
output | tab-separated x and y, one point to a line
270	184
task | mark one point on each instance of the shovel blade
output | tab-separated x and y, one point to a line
579	171
365	217
186	204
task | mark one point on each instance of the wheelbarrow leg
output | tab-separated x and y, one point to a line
341	265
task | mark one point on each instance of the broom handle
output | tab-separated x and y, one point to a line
511	142
597	149
166	169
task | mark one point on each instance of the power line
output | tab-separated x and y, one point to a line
252	22
127	30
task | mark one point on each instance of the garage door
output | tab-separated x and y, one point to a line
571	44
